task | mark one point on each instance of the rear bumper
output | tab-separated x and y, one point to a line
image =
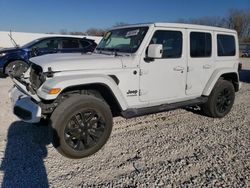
24	107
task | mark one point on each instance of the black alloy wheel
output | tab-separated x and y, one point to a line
224	100
84	130
220	100
80	126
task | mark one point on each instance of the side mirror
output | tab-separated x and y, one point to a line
155	51
34	52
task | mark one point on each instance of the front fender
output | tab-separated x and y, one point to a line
64	82
13	57
215	77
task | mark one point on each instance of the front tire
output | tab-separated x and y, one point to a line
221	100
16	68
81	125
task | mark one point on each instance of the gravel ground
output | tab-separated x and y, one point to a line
177	148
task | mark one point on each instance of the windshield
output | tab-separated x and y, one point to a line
126	40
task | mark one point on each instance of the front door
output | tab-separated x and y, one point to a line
46	46
165	79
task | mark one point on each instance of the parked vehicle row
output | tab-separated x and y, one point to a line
245	53
135	70
244	50
15	61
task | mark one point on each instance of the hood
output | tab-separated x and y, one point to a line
10	50
77	61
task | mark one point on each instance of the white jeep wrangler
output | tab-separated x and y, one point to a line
135	70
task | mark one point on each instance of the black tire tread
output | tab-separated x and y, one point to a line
62	108
14	62
208	108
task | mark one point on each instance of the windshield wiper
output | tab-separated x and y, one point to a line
114	50
100	50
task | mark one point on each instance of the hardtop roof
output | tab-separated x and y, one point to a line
180	25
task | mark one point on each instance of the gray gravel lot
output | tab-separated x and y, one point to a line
177	148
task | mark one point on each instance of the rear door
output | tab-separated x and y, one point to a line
70	46
87	46
200	60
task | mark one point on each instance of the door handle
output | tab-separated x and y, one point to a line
178	68
207	66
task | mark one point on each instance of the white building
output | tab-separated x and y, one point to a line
23	38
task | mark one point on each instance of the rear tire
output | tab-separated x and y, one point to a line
16	68
221	100
81	125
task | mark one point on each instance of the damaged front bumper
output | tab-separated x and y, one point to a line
24	105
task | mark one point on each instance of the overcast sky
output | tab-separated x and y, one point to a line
79	15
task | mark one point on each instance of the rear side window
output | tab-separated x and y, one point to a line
200	44
85	44
225	45
171	41
70	43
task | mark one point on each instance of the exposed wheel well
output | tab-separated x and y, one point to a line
232	77
100	91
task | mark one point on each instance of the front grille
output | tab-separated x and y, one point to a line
36	76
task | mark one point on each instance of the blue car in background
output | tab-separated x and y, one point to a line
15	61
